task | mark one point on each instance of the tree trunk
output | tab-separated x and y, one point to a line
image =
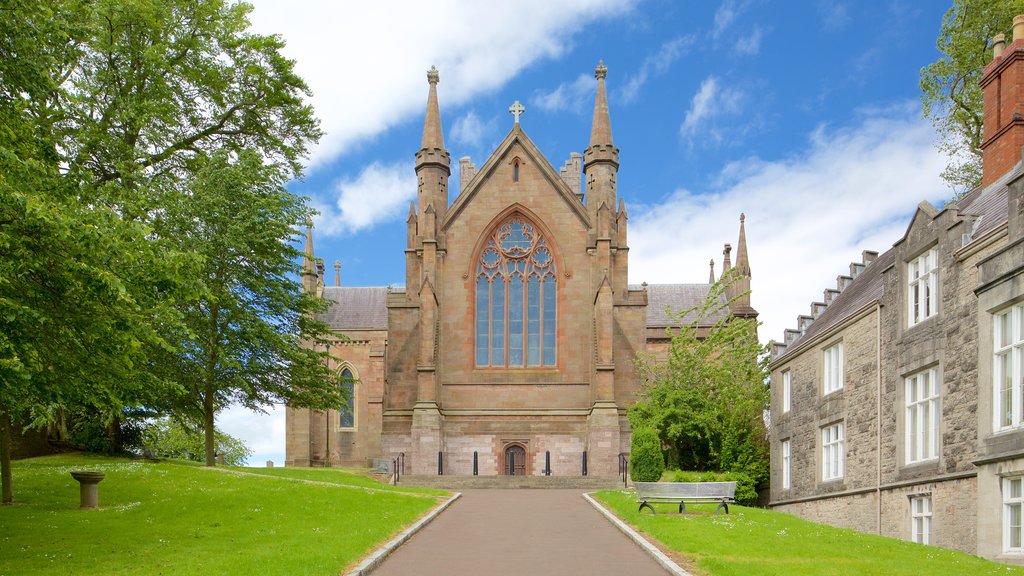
114	432
211	453
210	379
5	455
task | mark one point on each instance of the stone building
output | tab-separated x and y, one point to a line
513	340
897	402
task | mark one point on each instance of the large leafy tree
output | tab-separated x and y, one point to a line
950	95
71	332
707	399
108	108
253	336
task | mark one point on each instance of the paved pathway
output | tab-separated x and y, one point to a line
499	532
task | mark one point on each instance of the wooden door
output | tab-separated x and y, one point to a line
515	461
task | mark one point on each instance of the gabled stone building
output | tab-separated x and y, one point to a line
897	403
510	349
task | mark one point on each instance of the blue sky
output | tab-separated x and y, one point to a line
803	115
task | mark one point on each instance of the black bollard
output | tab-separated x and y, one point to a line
474	463
547	463
584	462
440	464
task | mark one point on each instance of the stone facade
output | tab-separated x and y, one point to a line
950	445
422	391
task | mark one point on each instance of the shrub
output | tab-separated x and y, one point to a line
746	485
646	462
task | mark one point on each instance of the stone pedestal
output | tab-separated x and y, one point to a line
88	488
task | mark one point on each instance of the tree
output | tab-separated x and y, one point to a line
646	462
707	400
253	336
950	95
107	108
167	438
70	331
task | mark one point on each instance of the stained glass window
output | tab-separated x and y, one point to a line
516	299
347	414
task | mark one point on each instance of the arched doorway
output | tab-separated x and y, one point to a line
515	460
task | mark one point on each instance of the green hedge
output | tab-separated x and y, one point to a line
646	463
746	488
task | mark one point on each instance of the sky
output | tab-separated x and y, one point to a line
804	115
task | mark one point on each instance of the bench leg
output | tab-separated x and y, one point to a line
643	505
682	507
722	504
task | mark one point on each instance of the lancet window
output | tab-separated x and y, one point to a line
516	295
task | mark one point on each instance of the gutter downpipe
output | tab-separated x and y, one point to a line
878	416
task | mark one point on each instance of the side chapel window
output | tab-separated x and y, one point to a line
347	414
515	298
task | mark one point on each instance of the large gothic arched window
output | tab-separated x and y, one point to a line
515	298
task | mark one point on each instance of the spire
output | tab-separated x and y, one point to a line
726	261
433	137
742	264
711	279
308	261
601	131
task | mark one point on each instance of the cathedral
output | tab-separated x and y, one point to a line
510	350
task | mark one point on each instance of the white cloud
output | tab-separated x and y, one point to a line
366	64
726	15
834	15
710	101
750	44
379	192
808	216
470	130
569	96
262	433
657	63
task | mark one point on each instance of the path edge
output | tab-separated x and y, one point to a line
659	556
369	564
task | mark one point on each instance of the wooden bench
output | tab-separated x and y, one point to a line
697	492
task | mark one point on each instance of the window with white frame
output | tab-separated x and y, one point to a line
1013	498
922	287
922	416
1008	372
786	463
787	399
832	454
833	368
921	519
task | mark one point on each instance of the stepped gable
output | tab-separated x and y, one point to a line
356	308
678	297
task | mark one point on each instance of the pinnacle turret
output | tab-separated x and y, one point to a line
601	130
742	263
433	137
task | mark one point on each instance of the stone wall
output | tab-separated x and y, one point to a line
855	405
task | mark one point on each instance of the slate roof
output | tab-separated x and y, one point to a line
678	297
356	308
865	288
365	308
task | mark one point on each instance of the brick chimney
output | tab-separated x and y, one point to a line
1002	84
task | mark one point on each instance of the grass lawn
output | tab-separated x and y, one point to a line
755	542
174	518
344	476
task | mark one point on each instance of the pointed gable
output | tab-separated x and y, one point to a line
532	156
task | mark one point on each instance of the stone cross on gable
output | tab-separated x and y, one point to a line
516	109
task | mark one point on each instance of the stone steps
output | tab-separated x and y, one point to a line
542	482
